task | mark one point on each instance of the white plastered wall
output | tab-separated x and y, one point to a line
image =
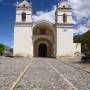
77	49
64	42
23	45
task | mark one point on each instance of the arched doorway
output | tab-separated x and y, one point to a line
42	50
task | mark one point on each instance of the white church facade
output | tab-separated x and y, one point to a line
43	38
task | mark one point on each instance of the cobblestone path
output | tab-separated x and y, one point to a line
79	78
10	69
43	74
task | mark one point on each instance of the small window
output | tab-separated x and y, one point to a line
63	6
42	32
64	18
23	5
65	30
23	16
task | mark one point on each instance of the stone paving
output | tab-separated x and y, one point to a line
77	63
43	74
79	78
10	69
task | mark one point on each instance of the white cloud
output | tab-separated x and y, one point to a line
80	30
81	9
41	15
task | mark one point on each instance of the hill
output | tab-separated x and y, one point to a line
84	39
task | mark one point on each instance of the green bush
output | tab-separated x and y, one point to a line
87	53
2	48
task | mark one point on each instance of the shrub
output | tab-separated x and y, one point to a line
87	53
2	48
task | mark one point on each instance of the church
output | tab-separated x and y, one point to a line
43	38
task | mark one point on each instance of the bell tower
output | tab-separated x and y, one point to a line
64	27
23	45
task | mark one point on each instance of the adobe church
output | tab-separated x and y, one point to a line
43	38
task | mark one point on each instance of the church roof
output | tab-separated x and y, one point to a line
24	3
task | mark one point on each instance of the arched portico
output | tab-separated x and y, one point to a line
44	39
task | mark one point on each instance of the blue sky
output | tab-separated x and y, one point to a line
8	9
7	16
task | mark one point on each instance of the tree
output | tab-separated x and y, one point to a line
2	49
84	39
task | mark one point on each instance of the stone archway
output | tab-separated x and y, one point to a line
46	47
44	33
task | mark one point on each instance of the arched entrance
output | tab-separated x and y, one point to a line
42	50
44	40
